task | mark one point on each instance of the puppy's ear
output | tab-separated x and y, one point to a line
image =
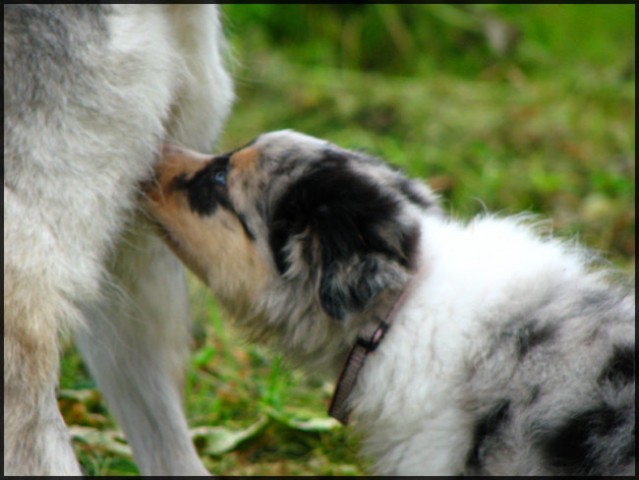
347	225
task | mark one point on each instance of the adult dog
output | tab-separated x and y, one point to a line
90	92
475	348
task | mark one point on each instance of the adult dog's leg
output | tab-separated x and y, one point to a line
138	336
36	441
136	345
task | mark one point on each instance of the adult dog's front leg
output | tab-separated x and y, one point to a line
137	346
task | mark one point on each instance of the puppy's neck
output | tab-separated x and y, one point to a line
369	337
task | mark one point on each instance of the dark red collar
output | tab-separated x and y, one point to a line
368	339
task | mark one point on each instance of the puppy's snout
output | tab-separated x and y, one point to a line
175	161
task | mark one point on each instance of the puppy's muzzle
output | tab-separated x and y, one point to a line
175	162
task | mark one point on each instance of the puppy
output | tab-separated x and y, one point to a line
90	92
468	348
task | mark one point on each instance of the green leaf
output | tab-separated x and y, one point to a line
108	441
302	422
218	440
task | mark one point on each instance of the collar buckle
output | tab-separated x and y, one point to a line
374	339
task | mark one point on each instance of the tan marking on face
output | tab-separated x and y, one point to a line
174	161
215	247
245	160
220	254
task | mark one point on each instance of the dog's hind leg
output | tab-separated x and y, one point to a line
36	440
137	345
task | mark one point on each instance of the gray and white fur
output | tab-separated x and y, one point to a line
90	93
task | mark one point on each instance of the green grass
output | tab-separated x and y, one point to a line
273	417
547	127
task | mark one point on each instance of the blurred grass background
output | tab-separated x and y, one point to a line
501	107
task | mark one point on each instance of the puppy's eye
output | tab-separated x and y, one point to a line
220	177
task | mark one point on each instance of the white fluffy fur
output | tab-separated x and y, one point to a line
466	272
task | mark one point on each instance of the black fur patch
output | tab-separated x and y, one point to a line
620	369
338	301
571	447
205	195
350	216
342	208
488	425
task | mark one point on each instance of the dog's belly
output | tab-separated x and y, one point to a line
75	153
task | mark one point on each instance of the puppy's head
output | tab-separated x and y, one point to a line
290	226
